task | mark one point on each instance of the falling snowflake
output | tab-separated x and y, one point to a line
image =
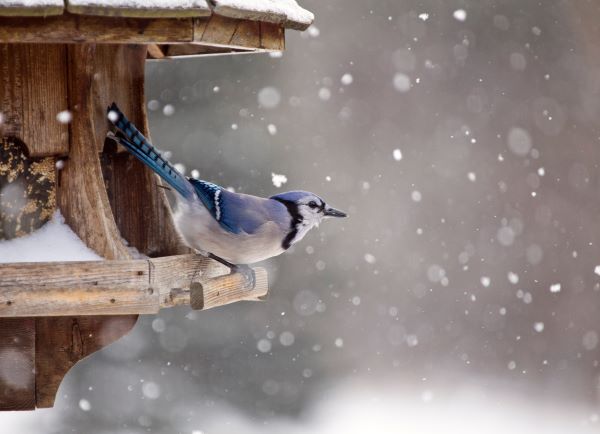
278	179
555	287
460	15
169	110
347	79
64	117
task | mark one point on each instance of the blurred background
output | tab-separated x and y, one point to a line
463	293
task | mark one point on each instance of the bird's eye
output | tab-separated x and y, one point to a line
312	204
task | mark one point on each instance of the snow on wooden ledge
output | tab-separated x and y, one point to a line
53	242
140	8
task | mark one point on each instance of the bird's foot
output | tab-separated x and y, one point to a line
243	269
248	273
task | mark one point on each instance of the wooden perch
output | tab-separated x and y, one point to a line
120	287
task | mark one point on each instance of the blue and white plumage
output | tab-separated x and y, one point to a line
235	229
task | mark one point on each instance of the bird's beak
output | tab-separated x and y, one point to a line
332	212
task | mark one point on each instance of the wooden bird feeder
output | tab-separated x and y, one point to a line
79	56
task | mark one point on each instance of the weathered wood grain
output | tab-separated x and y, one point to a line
33	90
227	289
118	77
92	29
213	31
17	366
81	193
62	342
218	31
247	34
76	288
272	37
139	205
83	200
120	287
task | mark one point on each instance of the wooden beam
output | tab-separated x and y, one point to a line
70	28
216	31
141	286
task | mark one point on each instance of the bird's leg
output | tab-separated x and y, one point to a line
243	269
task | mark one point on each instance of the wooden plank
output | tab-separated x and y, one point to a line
76	288
272	37
120	287
215	30
17	366
218	31
93	29
62	342
208	31
121	69
33	91
247	34
44	96
11	90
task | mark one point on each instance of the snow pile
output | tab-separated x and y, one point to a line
53	242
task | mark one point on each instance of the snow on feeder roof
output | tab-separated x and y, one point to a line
283	12
170	28
73	58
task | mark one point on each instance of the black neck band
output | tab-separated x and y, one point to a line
296	221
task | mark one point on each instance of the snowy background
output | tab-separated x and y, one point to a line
461	295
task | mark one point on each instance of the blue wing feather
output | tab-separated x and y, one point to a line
235	212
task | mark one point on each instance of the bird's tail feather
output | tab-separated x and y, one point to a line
142	149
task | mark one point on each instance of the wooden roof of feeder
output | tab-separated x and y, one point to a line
77	57
171	27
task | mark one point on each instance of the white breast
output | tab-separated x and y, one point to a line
202	232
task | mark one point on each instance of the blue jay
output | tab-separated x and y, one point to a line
232	228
